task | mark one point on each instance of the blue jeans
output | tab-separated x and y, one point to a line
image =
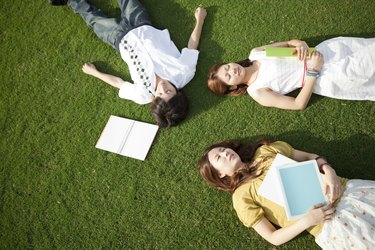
111	30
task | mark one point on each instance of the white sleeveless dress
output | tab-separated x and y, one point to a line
348	71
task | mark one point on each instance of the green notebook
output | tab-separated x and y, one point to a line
283	52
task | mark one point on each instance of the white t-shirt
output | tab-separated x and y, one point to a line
149	51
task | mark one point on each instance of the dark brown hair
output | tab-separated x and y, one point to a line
231	183
219	87
171	113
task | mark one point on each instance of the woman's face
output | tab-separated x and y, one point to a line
225	160
232	74
165	89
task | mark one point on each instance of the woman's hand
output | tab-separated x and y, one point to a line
318	214
301	49
200	14
89	68
316	61
332	184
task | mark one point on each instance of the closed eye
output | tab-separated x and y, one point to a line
218	156
227	75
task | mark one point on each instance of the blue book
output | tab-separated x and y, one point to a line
302	187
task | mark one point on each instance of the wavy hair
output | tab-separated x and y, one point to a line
231	183
219	87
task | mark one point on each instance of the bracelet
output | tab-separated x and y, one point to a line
313	73
321	167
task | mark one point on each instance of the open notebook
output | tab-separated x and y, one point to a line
127	137
271	187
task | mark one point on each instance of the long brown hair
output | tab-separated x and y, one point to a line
231	183
219	87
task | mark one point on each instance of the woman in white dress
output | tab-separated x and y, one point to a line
342	68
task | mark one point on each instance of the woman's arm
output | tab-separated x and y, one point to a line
316	215
200	15
301	47
269	98
114	81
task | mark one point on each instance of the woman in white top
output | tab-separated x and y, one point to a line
157	68
342	68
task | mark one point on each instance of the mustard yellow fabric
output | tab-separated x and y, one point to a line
251	207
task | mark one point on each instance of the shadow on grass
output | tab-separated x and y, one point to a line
313	41
352	157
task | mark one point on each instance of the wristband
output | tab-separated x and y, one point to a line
320	157
321	167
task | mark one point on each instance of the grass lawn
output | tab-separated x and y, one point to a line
57	191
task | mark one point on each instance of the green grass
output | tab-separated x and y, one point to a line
57	191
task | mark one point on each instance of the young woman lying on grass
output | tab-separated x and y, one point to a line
342	68
347	222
